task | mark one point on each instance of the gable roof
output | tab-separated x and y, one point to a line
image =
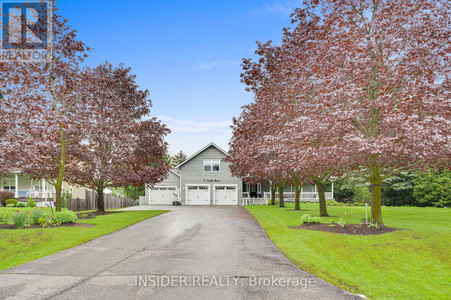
200	151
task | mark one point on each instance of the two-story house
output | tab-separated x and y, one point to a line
205	179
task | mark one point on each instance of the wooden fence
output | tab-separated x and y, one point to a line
90	202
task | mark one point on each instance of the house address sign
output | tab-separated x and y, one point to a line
212	180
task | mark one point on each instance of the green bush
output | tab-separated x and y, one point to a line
10	205
362	194
20	204
308	219
45	221
65	217
20	219
37	214
4	195
11	201
433	188
65	196
398	190
31	202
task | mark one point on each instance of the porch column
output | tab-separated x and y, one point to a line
16	191
44	194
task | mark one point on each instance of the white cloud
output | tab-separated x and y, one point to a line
284	8
190	136
179	125
215	64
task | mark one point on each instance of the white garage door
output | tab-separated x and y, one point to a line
198	195
163	195
226	195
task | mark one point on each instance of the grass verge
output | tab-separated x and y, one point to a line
413	263
19	246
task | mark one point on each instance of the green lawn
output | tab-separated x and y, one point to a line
408	264
18	246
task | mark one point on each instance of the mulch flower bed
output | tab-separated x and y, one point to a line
351	229
93	214
11	226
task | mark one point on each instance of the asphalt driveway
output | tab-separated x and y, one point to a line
188	253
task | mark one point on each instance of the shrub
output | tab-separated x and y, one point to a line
308	219
10	205
4	195
45	222
37	214
65	217
11	201
64	199
20	204
398	190
20	219
31	202
433	188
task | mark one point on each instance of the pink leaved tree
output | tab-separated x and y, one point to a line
118	148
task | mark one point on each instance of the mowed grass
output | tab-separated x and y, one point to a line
408	264
18	246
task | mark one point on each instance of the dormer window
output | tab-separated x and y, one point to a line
211	165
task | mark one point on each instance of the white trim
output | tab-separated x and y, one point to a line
16	192
198	184
175	173
214	192
259	188
200	151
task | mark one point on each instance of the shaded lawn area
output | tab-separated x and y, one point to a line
19	246
413	263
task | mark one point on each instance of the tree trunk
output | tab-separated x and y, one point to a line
61	166
297	191
376	188
273	193
322	198
100	198
58	189
280	190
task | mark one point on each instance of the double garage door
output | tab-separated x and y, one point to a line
163	195
222	194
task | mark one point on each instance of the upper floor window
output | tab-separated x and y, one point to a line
211	165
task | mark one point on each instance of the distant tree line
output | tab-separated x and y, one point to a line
418	188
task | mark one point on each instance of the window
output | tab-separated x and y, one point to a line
211	165
9	184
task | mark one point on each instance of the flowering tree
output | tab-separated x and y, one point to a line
49	116
381	73
360	86
118	149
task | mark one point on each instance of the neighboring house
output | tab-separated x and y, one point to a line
23	187
205	179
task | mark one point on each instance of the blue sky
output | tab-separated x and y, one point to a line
186	53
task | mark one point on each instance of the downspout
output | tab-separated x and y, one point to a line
180	187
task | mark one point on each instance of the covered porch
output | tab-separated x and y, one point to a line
23	187
260	193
